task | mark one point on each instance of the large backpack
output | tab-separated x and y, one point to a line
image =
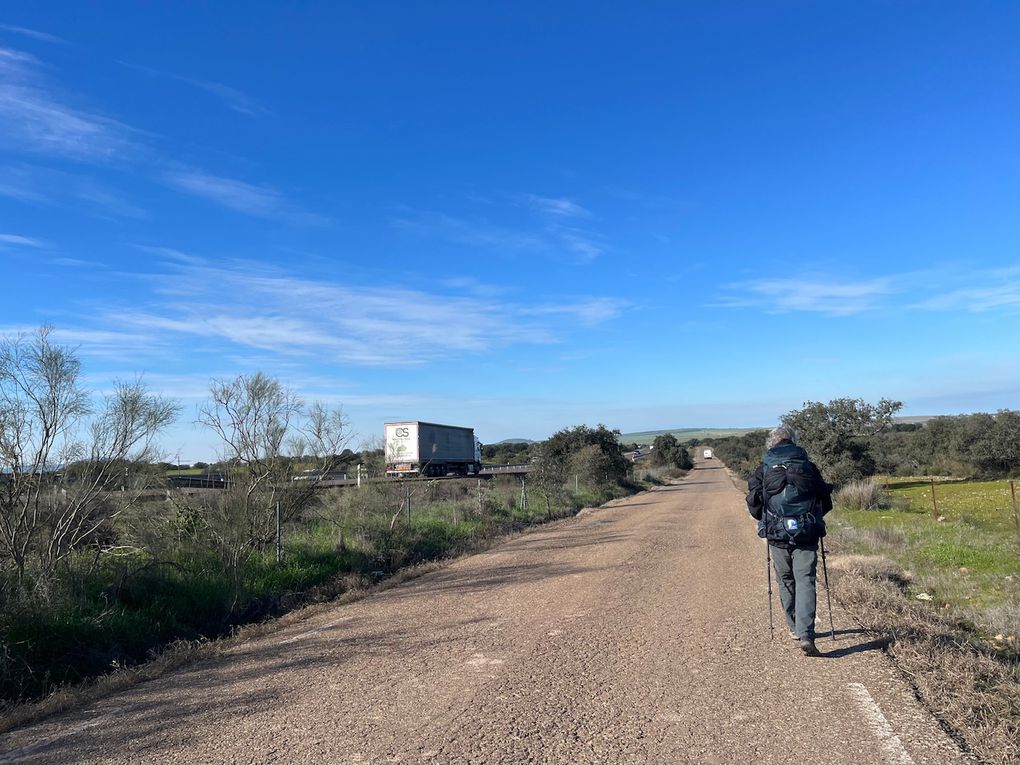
790	486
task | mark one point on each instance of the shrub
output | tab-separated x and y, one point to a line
860	495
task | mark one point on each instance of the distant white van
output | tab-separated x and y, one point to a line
707	454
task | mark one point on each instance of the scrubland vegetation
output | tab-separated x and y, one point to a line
169	577
102	565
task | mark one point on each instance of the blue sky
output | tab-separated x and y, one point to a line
520	217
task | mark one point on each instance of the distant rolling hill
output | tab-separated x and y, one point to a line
682	434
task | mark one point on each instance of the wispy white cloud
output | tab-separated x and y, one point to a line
12	189
187	389
24	183
472	286
247	198
16	63
558	207
1004	292
830	296
590	312
46	186
236	195
476	233
104	201
229	96
943	289
192	388
232	98
171	253
21	241
583	244
96	337
562	228
251	307
36	119
115	344
552	234
35	34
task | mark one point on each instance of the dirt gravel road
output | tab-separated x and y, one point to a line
637	633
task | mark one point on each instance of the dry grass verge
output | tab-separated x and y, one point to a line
972	688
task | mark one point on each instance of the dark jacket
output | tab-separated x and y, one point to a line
764	486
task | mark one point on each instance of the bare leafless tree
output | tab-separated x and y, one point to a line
251	415
61	453
266	432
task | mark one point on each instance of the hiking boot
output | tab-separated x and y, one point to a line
809	648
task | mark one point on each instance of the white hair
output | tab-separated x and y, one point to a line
779	434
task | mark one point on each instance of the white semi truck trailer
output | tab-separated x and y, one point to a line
428	449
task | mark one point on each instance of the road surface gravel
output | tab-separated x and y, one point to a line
636	633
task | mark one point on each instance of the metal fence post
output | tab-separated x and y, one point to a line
279	535
1016	511
934	502
407	496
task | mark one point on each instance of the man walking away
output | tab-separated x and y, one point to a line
788	497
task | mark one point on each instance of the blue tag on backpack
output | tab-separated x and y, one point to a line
791	524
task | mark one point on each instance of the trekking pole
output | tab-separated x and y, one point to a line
828	595
768	573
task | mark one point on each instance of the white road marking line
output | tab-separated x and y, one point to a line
891	745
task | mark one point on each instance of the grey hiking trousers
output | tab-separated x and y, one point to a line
795	573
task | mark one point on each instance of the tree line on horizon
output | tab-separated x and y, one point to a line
851	439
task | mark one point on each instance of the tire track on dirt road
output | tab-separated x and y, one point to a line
637	633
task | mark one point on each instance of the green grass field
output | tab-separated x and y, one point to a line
987	504
968	563
682	434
